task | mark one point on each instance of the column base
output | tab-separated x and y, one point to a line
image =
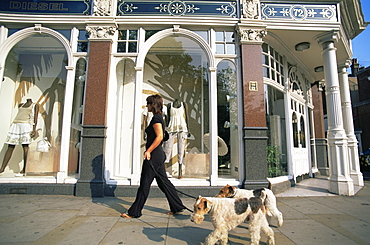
90	189
358	179
324	171
256	184
61	176
341	186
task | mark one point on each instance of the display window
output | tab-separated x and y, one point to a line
177	69
34	73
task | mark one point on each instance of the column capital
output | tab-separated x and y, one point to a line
344	64
251	36
101	32
70	68
212	69
327	37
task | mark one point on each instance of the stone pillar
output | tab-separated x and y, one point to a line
339	180
91	181
353	157
320	140
255	130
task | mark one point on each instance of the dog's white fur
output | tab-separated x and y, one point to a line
228	213
270	201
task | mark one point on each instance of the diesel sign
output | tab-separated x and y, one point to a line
46	6
43	6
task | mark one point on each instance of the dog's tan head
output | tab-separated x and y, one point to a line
201	207
227	191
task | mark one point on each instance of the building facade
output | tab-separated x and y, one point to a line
246	73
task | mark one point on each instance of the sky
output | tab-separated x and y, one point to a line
360	44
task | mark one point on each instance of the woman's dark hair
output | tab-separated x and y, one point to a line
157	103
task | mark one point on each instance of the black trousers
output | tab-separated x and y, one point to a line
154	169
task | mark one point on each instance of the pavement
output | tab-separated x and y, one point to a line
311	216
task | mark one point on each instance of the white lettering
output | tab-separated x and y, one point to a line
44	6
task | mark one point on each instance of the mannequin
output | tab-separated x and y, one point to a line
21	132
177	121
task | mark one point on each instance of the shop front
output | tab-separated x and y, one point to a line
237	91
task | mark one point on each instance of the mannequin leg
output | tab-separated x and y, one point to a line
25	155
7	157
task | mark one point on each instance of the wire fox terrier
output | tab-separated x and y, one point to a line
270	201
228	213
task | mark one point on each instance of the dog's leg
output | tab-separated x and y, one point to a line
268	232
255	228
277	214
272	209
224	237
212	238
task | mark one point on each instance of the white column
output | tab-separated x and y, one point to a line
136	154
213	126
66	128
353	157
339	179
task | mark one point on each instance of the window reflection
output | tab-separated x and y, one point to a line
76	121
227	108
276	144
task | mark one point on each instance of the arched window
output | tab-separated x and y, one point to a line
35	68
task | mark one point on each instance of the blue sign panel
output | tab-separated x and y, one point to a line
81	7
303	12
178	8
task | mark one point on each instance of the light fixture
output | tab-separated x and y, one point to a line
321	86
319	69
302	46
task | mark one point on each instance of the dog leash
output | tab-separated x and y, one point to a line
165	185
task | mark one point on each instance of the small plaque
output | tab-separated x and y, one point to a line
253	86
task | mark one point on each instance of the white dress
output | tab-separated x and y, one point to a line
21	128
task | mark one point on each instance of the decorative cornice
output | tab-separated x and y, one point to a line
101	31
250	9
251	36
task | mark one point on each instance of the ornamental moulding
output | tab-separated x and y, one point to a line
251	36
102	7
101	31
250	9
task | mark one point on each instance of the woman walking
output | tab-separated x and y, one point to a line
153	165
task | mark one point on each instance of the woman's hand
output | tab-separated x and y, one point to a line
147	155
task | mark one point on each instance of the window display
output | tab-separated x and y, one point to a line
35	69
176	68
